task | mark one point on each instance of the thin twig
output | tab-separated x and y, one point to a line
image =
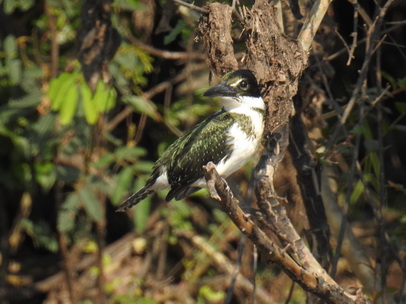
290	294
53	37
370	46
362	41
191	6
383	198
397	22
159	88
364	15
354	32
236	12
167	103
224	264
164	53
237	267
4	245
68	269
344	218
342	40
352	250
100	237
141	128
279	15
312	23
254	269
332	100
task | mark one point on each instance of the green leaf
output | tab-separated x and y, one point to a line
104	98
220	216
26	4
402	83
143	166
11	5
391	79
22	172
44	126
142	210
109	102
45	174
376	165
183	208
105	160
371	144
178	29
179	214
55	86
15	71
357	192
58	88
142	105
89	107
8	6
101	97
401	106
91	204
26	101
130	5
69	105
10	46
41	234
123	181
67	174
141	215
67	213
129	153
211	295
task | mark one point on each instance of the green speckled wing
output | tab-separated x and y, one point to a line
185	158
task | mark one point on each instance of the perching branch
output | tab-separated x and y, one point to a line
304	270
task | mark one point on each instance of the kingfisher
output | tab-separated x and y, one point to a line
228	138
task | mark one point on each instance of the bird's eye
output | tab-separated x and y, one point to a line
243	84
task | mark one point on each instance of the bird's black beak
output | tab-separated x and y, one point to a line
221	90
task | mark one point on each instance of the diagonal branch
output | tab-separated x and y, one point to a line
191	6
306	272
312	23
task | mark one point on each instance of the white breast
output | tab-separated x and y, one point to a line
244	147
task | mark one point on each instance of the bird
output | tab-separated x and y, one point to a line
229	138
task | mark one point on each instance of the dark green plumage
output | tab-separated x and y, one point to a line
185	158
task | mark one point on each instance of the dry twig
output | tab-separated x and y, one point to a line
225	265
370	48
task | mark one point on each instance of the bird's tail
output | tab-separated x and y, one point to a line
135	198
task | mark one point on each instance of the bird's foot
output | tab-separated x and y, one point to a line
212	190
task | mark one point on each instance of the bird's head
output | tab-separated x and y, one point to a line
236	84
238	88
